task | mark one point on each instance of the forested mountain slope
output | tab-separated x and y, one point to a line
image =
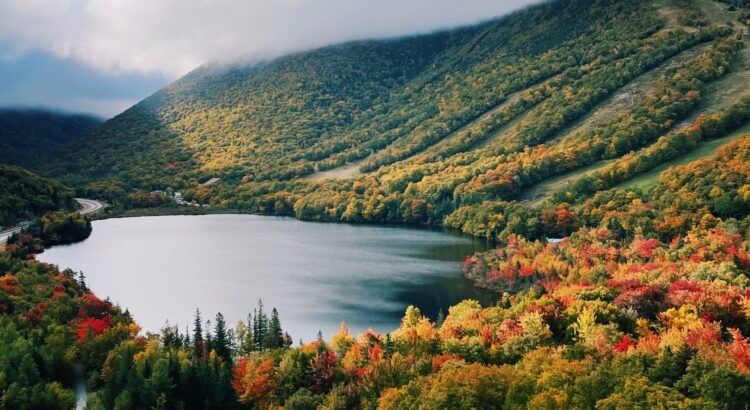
436	122
26	135
389	98
24	195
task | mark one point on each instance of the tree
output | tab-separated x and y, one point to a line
639	393
198	344
82	282
260	327
222	339
244	334
275	336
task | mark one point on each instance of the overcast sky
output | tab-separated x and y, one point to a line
101	56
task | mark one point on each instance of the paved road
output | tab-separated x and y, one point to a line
89	206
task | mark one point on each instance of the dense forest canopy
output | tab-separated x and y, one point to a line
28	134
24	196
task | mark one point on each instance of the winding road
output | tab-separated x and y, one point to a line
88	206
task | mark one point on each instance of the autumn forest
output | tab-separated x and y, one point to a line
602	149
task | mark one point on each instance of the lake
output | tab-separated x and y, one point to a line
315	274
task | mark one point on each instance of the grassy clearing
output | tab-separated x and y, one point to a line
626	96
346	171
604	111
648	179
718	95
537	194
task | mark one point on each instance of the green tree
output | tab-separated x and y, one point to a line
222	339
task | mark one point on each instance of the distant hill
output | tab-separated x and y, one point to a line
29	134
24	195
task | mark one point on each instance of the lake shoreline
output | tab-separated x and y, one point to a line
196	211
226	262
205	211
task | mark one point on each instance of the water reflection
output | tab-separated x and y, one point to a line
315	274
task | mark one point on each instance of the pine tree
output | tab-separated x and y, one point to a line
82	282
255	329
260	328
389	346
440	318
198	334
208	338
187	337
170	336
275	336
222	339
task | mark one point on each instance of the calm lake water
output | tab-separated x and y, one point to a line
163	268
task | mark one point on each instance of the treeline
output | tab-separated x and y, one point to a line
57	228
430	192
192	370
319	109
445	123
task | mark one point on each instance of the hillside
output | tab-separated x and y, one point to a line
413	129
312	110
26	135
24	195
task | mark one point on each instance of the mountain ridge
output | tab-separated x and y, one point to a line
27	133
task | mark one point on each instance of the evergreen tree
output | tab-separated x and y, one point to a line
275	336
389	347
260	328
208	338
82	282
187	337
198	334
222	339
170	337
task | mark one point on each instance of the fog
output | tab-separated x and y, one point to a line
171	37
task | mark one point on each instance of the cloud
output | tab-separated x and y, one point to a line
171	37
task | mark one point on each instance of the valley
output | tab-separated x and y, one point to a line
544	210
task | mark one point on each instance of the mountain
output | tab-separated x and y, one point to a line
285	118
26	135
413	129
24	195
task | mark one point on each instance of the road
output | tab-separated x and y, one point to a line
88	206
